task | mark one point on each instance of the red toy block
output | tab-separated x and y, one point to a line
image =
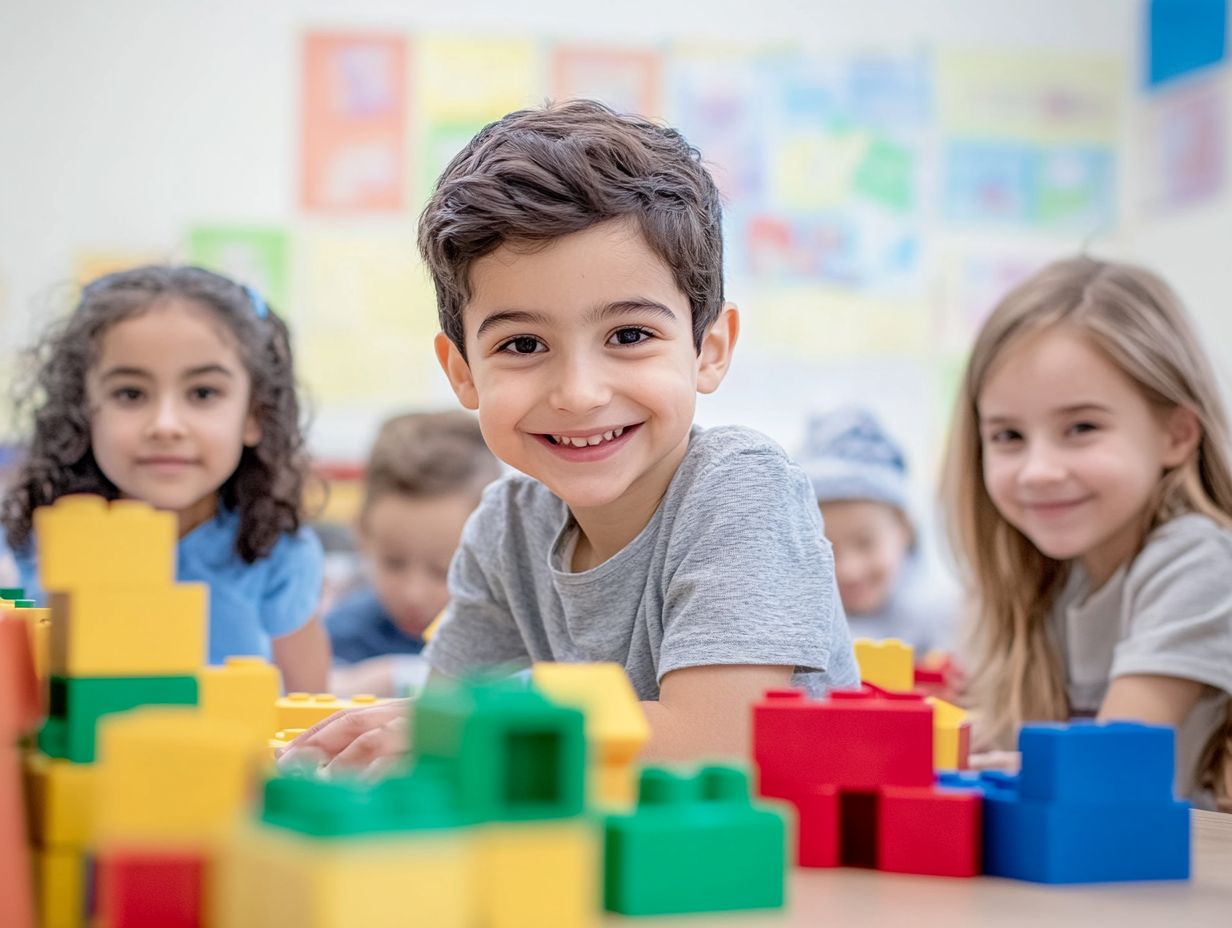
929	831
150	889
18	714
854	740
817	818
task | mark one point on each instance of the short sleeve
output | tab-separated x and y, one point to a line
293	588
1179	610
477	629
752	579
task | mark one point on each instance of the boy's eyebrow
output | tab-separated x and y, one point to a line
625	307
506	316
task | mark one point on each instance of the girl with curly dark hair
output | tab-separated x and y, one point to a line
175	386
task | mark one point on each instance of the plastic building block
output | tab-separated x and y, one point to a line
1093	804
12	593
538	874
852	740
616	727
951	735
18	708
512	754
61	887
271	876
886	664
76	705
129	631
694	844
245	690
150	889
171	774
928	831
60	797
38	627
303	710
84	542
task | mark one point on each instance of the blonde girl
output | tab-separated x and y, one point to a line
1089	495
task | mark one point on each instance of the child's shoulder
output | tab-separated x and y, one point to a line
732	448
1193	546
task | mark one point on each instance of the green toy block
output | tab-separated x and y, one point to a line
12	593
511	754
75	705
694	844
417	801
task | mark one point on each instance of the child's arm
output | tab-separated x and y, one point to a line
1156	700
707	711
303	656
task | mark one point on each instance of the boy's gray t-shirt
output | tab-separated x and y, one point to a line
1167	612
732	568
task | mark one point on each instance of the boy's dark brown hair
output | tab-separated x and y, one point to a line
429	454
537	175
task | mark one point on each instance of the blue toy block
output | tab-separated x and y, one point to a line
1093	804
1097	762
1084	843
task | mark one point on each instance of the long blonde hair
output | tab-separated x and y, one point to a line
1138	322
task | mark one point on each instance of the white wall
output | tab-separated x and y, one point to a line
124	123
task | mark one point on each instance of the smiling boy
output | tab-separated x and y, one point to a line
577	258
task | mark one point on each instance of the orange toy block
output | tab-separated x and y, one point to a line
83	541
129	631
18	714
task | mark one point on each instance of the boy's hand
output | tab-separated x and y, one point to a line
364	741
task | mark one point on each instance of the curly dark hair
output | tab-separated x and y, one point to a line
537	175
266	488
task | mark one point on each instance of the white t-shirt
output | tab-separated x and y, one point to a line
1167	612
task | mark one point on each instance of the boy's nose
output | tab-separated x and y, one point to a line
580	387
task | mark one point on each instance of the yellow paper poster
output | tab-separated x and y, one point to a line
368	320
1045	99
470	80
90	264
826	323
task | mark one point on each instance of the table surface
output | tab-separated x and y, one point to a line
866	898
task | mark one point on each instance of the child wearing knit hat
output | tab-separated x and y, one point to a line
859	475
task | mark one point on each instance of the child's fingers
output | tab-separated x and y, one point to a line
1009	761
377	745
326	739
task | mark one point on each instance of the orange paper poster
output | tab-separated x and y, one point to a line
353	122
626	80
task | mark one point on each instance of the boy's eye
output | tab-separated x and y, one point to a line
522	344
630	336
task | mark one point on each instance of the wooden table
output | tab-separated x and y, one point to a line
867	899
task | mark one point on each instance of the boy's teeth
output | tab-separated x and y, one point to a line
618	432
607	436
587	442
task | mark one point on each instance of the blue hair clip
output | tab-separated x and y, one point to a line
259	309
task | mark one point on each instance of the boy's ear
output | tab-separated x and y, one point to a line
457	370
717	346
1183	432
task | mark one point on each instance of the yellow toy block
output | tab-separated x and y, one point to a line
60	877
173	775
245	690
616	727
267	876
84	541
303	710
950	735
539	874
60	799
129	631
887	664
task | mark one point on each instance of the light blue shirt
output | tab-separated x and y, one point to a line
250	604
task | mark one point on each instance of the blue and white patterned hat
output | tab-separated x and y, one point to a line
848	456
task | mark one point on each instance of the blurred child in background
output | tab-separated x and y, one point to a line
423	479
1090	497
859	475
175	386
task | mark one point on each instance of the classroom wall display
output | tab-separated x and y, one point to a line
1185	144
253	255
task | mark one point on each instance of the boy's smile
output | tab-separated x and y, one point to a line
581	362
